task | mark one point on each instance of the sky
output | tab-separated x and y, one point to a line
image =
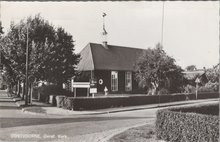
190	29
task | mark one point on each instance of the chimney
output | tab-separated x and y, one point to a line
105	44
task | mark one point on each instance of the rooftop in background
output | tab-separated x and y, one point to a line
192	74
96	57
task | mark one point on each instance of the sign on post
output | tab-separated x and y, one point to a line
93	86
80	85
197	86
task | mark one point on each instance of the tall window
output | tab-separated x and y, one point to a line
128	81
114	81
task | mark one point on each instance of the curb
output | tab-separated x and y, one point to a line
106	138
111	111
150	107
29	112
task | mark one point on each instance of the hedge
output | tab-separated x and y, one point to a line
204	95
68	103
179	125
84	103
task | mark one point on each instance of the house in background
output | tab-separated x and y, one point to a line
111	66
191	76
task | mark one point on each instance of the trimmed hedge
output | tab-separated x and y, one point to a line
85	103
208	109
204	95
177	125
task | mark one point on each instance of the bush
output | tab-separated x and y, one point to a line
60	101
163	91
209	87
176	125
68	103
208	109
189	89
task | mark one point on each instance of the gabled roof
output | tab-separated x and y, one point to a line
95	57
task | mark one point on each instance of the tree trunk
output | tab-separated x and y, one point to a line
19	88
23	90
31	93
60	85
16	89
155	88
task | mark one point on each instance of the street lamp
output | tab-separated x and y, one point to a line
26	76
197	81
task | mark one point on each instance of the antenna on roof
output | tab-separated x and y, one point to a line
104	33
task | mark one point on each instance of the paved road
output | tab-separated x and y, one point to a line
19	126
16	125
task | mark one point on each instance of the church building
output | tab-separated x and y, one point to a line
111	66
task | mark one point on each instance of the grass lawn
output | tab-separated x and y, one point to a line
144	133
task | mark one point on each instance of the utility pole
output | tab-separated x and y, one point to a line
162	23
27	55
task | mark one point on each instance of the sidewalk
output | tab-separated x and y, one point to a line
48	109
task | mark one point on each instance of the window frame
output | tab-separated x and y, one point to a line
128	77
114	81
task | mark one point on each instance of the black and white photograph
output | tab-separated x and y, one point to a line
109	71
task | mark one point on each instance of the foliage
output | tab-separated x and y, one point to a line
60	101
1	28
191	68
156	70
176	125
209	87
213	74
51	51
68	103
189	89
208	109
61	64
163	91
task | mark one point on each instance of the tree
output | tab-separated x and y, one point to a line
191	68
62	61
13	55
51	51
156	70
